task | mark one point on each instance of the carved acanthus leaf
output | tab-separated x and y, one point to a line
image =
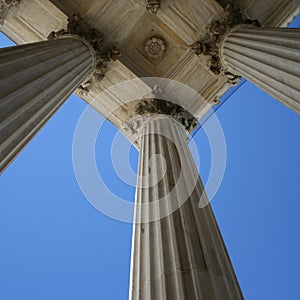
155	104
105	52
153	5
209	45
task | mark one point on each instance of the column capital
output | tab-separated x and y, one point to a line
5	6
210	44
105	52
153	5
153	105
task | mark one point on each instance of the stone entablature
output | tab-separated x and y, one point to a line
180	23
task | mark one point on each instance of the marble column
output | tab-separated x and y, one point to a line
35	80
177	249
268	57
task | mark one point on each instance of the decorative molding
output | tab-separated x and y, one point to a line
155	47
155	104
153	5
133	128
216	31
105	52
5	6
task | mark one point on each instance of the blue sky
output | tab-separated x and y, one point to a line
55	245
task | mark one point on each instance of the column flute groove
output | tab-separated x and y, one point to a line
262	47
11	124
269	58
36	79
20	107
33	87
158	267
177	252
290	80
269	85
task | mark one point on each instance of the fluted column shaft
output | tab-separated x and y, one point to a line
268	57
177	248
35	80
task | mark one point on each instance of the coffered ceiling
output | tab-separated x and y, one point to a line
152	45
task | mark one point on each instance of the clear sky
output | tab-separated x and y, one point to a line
55	245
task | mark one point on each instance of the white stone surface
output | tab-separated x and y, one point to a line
182	255
269	58
35	80
275	13
128	24
32	21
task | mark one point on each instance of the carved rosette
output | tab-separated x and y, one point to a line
155	47
153	5
5	6
105	52
216	31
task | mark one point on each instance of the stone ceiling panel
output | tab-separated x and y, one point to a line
189	18
116	19
153	49
270	13
32	21
151	45
197	76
